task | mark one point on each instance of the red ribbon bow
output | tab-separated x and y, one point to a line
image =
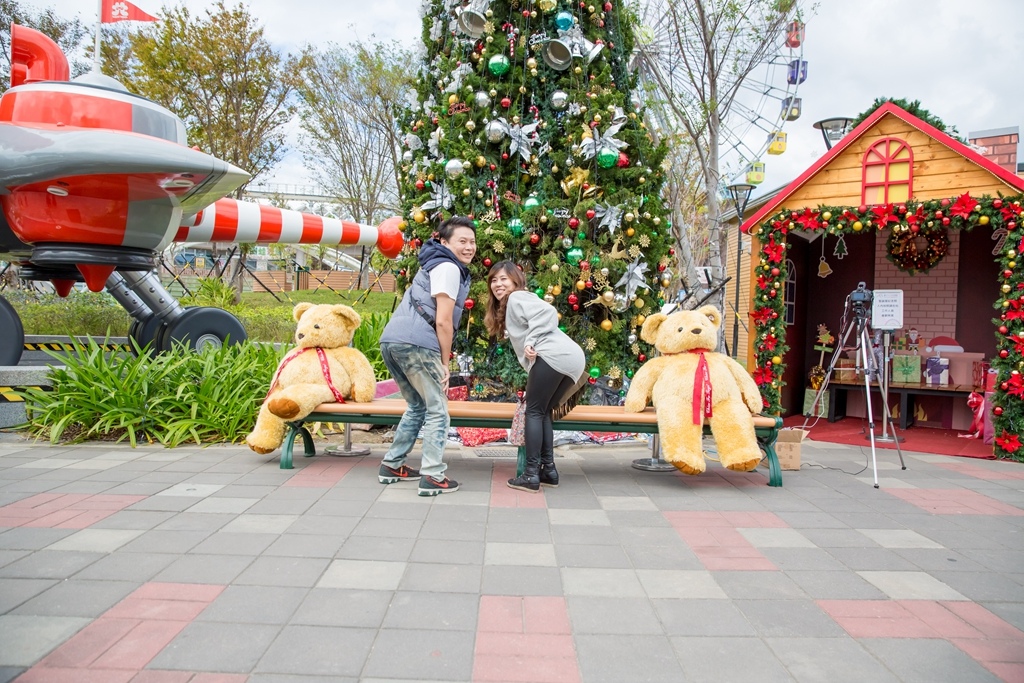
701	388
324	368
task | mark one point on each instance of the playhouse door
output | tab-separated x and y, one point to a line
797	291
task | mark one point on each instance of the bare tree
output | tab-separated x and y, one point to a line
713	46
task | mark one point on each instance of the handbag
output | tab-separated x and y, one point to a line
517	434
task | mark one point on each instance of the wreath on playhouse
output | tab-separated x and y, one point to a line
931	220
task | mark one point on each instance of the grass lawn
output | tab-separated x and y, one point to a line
363	302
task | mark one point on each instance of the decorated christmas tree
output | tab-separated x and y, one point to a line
525	120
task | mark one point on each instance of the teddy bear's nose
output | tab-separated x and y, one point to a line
697	330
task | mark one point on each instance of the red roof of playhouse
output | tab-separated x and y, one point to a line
887	108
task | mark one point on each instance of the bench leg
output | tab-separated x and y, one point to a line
521	461
288	446
766	439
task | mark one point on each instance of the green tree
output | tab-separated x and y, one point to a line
219	74
911	107
69	34
539	141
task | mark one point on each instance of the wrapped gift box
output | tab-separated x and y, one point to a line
845	370
936	371
906	369
979	370
822	410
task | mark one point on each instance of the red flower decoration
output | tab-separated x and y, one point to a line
774	251
1010	211
769	342
762	315
1016	305
1018	342
1015	386
849	215
763	375
884	215
809	220
963	205
762	282
1008	442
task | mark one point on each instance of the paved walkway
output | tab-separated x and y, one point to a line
211	565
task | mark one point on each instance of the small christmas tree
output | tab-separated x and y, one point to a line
525	121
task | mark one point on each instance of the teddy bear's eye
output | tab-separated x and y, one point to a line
316	327
680	329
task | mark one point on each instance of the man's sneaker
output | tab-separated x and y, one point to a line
386	475
432	487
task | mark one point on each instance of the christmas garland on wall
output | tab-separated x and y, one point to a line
931	219
902	248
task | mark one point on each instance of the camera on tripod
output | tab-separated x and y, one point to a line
860	299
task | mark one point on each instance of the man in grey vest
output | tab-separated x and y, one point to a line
416	346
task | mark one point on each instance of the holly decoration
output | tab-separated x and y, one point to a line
553	161
931	220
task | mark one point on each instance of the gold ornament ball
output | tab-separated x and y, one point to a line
1006	289
581	285
641	180
606	325
452	99
488	203
983	220
544	219
630	232
647	215
639	303
597	117
430	177
1011	253
470	125
629	217
657	221
554	168
533	72
608	297
465	192
479	194
827	216
665	282
481	161
776	360
522	89
640	319
493	92
557	289
857	226
1011	264
515	119
577	70
419	217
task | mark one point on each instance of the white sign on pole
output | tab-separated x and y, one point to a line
887	309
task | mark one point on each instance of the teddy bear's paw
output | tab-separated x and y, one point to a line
284	408
745	466
633	406
755	407
687	468
256	447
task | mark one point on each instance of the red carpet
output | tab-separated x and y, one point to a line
852	431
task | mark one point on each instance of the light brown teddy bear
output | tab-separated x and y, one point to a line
728	395
322	368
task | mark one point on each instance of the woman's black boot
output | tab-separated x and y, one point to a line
529	480
548	474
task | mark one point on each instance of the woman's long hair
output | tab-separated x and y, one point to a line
494	318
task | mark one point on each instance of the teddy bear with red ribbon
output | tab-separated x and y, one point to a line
689	382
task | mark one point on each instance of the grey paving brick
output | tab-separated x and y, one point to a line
8	556
124	566
626	616
837	660
218	569
363	574
984	586
432	611
343	607
453	530
601	582
613	557
165	503
517	516
216	646
171	542
447	552
618	658
339	508
77	598
838	538
324	525
910	585
368	548
425	655
30	538
318	650
305	545
503	580
788	619
442	578
228	543
9	673
403	512
290	678
871	559
14	592
680	583
714	659
456	513
926	660
27	637
196	521
269	506
133	519
834	585
518	533
391	528
702	617
254	605
49	564
283	571
96	540
564	534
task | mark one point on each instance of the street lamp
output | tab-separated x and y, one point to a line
740	194
833	129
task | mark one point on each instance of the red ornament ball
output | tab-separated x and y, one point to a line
585	265
504	156
589	284
775	315
776	272
661	267
939	214
1004	354
469	304
575	307
672	252
607	7
997	411
574	222
590	214
573	299
402	272
623	161
506	102
915	228
1003	386
997	203
642	357
420	185
534	238
945	203
526	14
945	221
487	263
493	167
863	208
1003	329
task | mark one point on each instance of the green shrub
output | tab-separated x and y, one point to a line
211	291
80	313
170	398
367	340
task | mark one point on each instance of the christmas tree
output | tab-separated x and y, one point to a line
525	120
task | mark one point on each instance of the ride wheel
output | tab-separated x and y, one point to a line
12	334
145	331
200	328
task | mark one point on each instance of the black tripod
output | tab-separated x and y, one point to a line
858	302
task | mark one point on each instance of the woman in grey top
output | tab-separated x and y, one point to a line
553	361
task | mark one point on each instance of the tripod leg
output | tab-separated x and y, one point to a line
828	373
865	353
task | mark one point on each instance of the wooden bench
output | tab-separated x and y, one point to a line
837	391
483	414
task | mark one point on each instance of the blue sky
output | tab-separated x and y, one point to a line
960	58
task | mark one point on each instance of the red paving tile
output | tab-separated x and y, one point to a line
321	474
114	649
504	497
955	502
63	511
715	539
524	639
972	470
876	619
1011	673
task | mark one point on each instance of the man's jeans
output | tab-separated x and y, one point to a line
418	372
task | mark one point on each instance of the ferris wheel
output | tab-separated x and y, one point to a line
763	103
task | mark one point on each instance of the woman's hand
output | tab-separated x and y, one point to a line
530	353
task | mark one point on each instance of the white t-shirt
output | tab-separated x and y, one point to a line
445	279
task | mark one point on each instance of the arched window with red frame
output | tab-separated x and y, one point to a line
888	172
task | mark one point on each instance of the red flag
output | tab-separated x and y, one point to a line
122	10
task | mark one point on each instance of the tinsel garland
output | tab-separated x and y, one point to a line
1000	215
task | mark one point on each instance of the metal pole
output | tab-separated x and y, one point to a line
739	259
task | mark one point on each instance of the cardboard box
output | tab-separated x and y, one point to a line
936	371
822	410
906	369
788	447
845	370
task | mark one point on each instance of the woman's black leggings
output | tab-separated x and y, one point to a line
546	389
